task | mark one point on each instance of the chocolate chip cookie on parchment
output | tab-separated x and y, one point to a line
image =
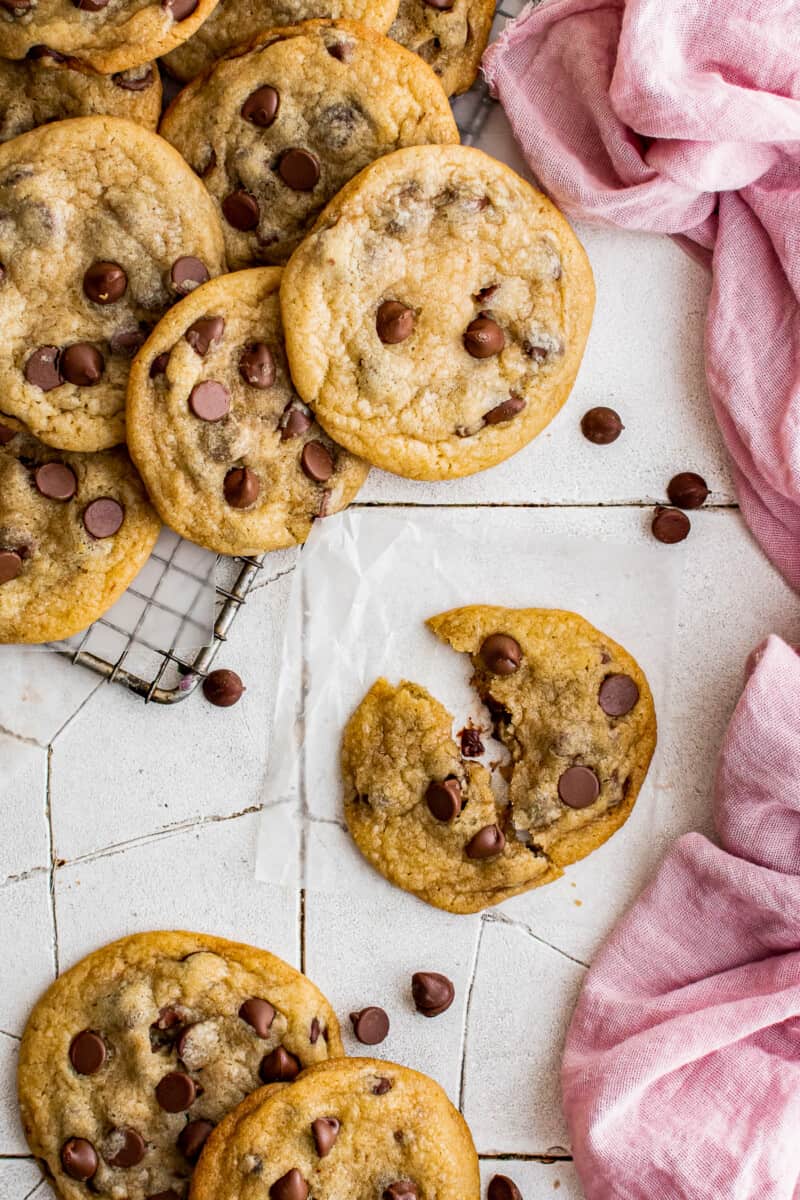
104	227
277	129
74	531
437	313
50	87
132	1057
576	714
451	35
231	456
345	1130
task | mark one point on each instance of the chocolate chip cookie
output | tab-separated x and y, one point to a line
574	711
103	228
345	1130
133	1056
236	22
50	87
436	315
451	35
108	35
278	129
74	531
230	455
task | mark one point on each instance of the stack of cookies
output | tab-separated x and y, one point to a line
180	1066
302	274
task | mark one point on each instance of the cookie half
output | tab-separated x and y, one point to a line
51	88
576	714
231	457
345	1130
437	314
108	35
104	228
132	1057
278	128
451	35
238	21
75	529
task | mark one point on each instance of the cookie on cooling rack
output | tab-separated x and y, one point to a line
436	315
451	35
132	1057
345	1130
277	129
231	457
574	711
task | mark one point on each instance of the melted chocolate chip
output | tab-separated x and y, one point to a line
299	169
261	106
82	364
279	1067
180	9
193	1137
317	462
259	1015
444	799
432	993
41	368
6	434
370	1025
403	1189
176	1092
314	1032
257	366
501	654
127	341
188	273
79	1159
104	282
471	743
325	1131
210	400
242	487
10	565
487	843
135	80
204	333
241	210
87	1052
343	51
383	1086
294	422
394	322
159	364
291	1186
126	1148
505	411
483	337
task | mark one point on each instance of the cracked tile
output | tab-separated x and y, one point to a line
20	1179
200	879
521	1003
183	763
26	922
23	782
537	1181
12	1139
41	690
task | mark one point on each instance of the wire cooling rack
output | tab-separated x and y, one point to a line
141	642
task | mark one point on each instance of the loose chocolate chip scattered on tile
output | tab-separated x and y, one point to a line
688	490
432	992
670	525
503	1188
601	425
370	1025
223	687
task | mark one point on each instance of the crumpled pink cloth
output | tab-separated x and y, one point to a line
683	117
681	1073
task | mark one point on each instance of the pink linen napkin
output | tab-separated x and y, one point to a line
681	1073
683	117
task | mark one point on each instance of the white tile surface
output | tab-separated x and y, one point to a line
24	845
27	937
536	1181
12	1139
21	1179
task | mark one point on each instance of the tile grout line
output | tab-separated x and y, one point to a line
544	1159
500	919
723	506
302	918
52	853
467	1006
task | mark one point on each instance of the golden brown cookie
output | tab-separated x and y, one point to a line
104	228
574	711
345	1130
436	315
74	531
451	35
132	1057
277	129
230	455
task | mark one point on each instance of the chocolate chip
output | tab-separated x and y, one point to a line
259	1015
383	1086
314	1032
505	411
242	487
279	1067
205	332
241	210
223	687
90	5
193	1137
127	341
503	1188
180	9
210	400
87	1052
290	1186
483	337
126	1148
38	52
432	993
440	5
103	517
295	422
578	787
210	163
257	366
182	1045
444	799
55	481
130	81
16	7
617	695
104	282
601	425
670	525
299	169
317	462
41	368
403	1189
487	843
394	322
176	1092
325	1131
471	743
486	293
6	435
82	364
370	1026
169	1194
501	654
10	565
343	51
687	490
188	273
159	364
79	1159
261	106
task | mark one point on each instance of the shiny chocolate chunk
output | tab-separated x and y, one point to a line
483	337
261	106
82	364
104	282
87	1052
370	1025
124	1148
279	1067
299	169
295	422
55	481
79	1159
394	322
135	79
601	425
444	800
180	9
193	1137
505	411
487	843
578	787
403	1189
471	743
317	462
204	333
257	366
325	1131
41	368
617	695
670	525
259	1015
240	209
687	490
431	992
501	654
223	688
